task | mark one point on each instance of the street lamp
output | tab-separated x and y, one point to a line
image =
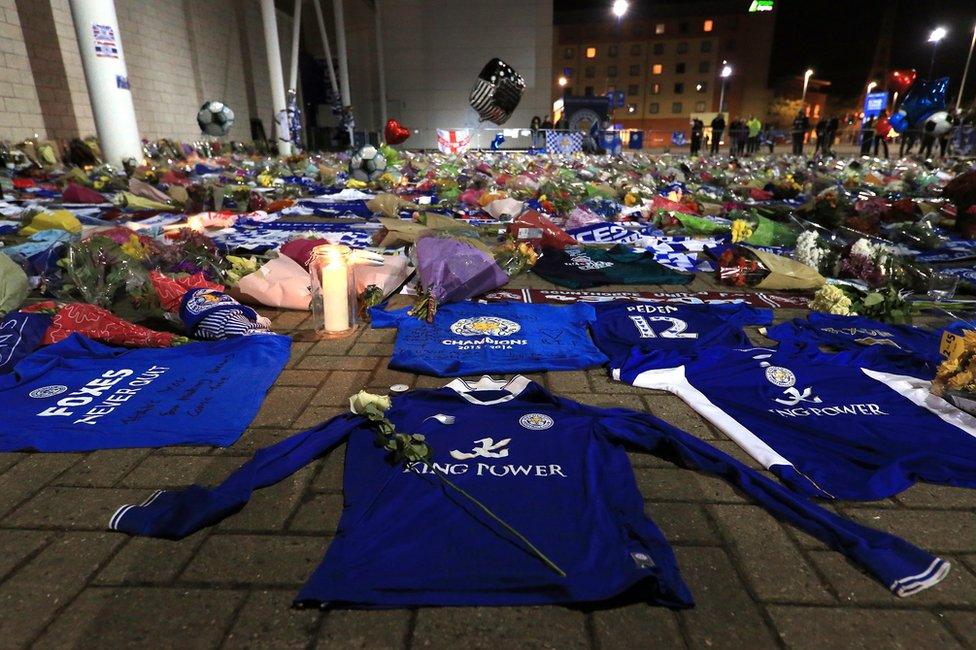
619	8
937	35
806	82
725	74
562	81
871	86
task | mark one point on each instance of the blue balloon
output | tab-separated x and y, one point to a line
899	121
923	98
497	142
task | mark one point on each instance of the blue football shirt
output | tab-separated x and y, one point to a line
554	469
80	395
469	338
859	424
845	332
621	326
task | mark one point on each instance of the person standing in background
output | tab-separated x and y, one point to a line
538	137
867	136
718	128
820	130
754	126
881	130
697	130
831	133
908	140
801	124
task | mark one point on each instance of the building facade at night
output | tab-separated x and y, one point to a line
667	60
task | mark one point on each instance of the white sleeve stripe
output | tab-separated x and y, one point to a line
917	391
674	381
936	573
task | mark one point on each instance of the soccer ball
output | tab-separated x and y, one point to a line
367	164
937	123
215	118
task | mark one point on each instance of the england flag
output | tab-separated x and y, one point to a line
453	140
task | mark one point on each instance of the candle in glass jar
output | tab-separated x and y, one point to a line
335	294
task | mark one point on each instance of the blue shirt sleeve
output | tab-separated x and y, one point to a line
381	319
902	567
174	514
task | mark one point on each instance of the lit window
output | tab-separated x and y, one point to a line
654	107
708	26
659	28
655	89
591	52
676	107
657	68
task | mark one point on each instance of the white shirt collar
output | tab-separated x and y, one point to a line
513	387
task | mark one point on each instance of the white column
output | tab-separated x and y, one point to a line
325	44
296	27
273	50
340	26
97	30
379	62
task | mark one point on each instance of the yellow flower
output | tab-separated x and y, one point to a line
630	200
353	184
741	230
960	380
135	248
265	180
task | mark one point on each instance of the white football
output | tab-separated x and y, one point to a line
367	164
937	123
215	118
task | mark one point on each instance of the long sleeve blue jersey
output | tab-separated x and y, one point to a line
554	469
859	424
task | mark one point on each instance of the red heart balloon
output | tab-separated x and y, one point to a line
901	80
395	133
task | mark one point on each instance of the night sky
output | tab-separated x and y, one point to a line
837	38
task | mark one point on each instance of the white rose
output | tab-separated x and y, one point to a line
362	399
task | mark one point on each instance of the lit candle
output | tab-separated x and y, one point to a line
335	291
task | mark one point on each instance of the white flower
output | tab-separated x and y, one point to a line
808	249
362	399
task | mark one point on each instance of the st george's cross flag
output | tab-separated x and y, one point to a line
453	140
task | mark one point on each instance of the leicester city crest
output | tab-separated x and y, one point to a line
485	326
779	376
536	421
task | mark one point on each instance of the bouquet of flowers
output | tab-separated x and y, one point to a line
452	270
888	305
955	379
99	324
514	257
97	270
814	251
741	266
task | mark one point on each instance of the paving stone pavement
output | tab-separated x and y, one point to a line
65	581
